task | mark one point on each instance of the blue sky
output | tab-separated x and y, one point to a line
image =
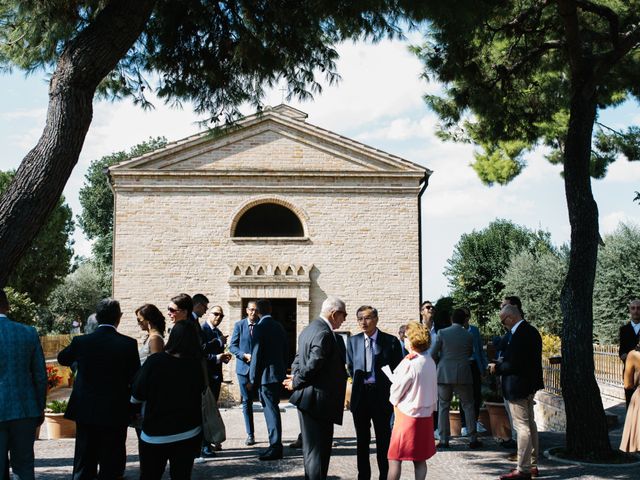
378	102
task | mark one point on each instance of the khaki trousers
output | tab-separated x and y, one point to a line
525	425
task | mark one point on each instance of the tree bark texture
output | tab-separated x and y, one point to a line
587	435
43	173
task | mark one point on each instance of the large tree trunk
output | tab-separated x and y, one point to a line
43	173
587	435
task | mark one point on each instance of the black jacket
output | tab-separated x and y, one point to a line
627	340
521	368
107	362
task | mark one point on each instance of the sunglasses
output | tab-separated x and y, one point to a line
218	314
173	310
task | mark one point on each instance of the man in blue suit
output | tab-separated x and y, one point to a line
22	397
266	373
241	346
367	353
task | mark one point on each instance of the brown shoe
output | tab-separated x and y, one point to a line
515	474
534	472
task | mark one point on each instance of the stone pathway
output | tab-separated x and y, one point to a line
54	457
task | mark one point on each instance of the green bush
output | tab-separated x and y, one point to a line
22	308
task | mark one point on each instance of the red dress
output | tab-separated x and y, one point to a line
411	438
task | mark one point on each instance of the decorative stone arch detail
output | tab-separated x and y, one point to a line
301	214
252	270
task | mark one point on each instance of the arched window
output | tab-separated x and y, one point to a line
269	220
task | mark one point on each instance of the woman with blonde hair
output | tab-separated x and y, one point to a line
414	395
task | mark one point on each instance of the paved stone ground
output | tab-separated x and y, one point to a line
54	457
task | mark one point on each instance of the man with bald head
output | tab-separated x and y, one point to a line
521	370
629	338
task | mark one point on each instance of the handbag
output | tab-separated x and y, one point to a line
213	428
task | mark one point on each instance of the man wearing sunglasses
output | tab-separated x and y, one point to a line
214	345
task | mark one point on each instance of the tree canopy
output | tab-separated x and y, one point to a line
480	259
47	261
518	74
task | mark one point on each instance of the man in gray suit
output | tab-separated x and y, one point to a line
319	382
454	346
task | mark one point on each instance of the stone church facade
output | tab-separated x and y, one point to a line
272	207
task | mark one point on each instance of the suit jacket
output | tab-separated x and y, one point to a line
213	346
479	355
388	351
23	377
628	340
241	343
107	362
319	374
453	347
521	367
269	353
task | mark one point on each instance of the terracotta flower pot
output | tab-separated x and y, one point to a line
455	423
499	420
59	427
484	419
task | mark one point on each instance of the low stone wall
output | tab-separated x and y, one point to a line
549	412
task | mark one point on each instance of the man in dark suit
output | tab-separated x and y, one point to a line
318	379
367	353
267	371
241	346
214	344
107	362
23	389
629	338
521	371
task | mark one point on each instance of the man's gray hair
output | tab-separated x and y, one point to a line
635	301
332	304
511	310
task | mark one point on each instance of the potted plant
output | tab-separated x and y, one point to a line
494	402
57	425
455	422
53	379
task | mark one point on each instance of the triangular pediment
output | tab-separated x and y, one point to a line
275	140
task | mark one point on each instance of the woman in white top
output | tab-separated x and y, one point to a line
151	321
414	394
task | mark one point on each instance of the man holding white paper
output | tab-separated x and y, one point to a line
368	353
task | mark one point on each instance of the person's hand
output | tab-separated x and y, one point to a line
492	368
247	357
225	357
288	382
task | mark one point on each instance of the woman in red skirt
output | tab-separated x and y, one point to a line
414	395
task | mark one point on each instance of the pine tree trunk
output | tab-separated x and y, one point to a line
43	173
587	435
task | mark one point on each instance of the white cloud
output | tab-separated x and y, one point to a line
34	113
610	221
623	171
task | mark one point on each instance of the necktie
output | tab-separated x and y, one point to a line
251	329
368	356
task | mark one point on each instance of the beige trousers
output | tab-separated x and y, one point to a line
525	425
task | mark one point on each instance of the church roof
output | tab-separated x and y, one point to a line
276	139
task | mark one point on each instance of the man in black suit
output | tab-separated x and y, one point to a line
367	353
319	383
107	362
521	370
629	338
267	370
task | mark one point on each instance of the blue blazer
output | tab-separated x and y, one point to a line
241	343
387	352
23	377
269	354
213	346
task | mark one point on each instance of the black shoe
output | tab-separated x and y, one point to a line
510	443
271	454
297	443
250	440
217	447
207	452
475	444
